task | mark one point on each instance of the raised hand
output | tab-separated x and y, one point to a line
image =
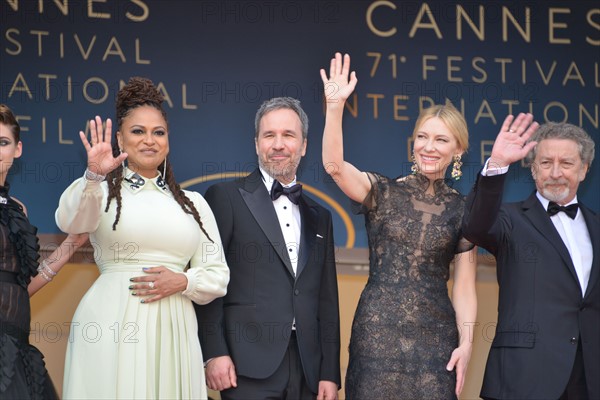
511	143
337	87
99	153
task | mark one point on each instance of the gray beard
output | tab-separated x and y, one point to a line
288	173
555	197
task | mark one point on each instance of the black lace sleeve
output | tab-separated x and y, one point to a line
463	245
370	201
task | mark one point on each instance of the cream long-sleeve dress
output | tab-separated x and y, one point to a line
119	347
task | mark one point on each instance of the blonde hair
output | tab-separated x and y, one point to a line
451	117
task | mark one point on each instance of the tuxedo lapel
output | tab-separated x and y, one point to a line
534	211
594	231
259	203
309	234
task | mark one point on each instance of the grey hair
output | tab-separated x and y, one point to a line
278	103
563	130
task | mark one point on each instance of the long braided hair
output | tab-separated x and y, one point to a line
142	92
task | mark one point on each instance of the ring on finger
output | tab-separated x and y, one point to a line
512	131
151	285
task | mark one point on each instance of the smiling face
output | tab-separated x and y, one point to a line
434	148
558	169
143	135
9	150
280	145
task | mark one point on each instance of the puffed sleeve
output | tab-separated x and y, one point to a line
208	274
80	206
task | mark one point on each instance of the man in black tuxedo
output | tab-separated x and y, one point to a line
547	249
276	332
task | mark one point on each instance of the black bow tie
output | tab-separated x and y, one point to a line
570	210
293	193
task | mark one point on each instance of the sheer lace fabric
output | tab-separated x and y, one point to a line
404	329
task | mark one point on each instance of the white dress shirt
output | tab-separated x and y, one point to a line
289	218
575	236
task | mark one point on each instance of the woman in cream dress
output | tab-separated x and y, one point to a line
134	334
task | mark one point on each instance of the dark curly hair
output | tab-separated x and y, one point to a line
142	92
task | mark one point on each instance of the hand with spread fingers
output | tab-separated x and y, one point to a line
160	282
546	250
440	137
136	214
512	142
341	83
99	152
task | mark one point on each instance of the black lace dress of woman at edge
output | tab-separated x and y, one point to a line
404	329
22	371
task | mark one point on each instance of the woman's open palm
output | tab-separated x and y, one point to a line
99	152
337	87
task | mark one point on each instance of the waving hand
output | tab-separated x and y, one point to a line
337	87
99	152
512	141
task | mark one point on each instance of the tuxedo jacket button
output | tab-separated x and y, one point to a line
573	340
296	292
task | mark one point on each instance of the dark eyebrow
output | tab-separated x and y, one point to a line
142	126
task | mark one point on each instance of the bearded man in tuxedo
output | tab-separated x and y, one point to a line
547	249
276	332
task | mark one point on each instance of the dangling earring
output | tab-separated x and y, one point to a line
456	172
122	162
414	167
164	174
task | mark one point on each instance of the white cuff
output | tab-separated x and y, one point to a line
191	284
492	171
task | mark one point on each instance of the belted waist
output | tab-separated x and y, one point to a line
8	277
133	269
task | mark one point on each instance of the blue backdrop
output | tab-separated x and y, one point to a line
61	63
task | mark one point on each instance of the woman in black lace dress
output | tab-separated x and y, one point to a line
409	340
22	371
